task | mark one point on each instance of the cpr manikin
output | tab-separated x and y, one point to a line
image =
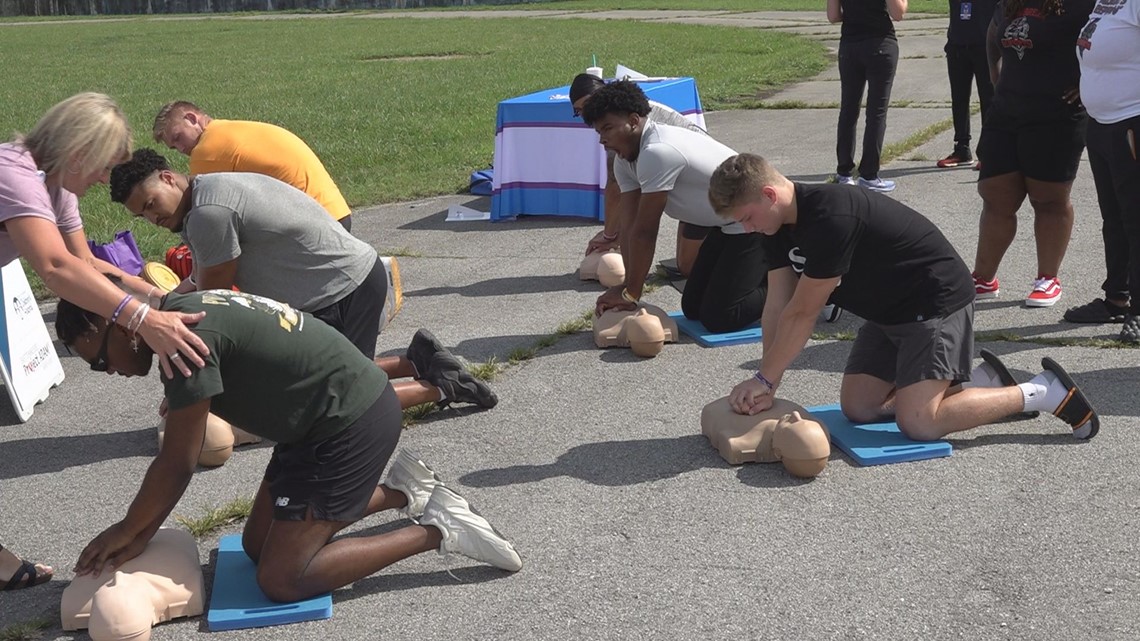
121	604
644	330
221	439
786	432
608	268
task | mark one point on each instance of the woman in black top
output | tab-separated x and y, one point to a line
868	55
1032	138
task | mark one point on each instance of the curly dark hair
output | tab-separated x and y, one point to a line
126	176
621	97
73	322
1048	8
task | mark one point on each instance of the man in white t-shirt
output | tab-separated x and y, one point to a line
666	170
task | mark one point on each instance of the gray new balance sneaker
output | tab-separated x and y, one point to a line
466	532
458	385
410	475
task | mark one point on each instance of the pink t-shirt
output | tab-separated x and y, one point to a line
24	193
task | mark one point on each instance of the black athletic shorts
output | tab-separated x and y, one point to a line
689	231
1048	150
335	477
358	315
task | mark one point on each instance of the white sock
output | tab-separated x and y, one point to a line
1043	393
983	376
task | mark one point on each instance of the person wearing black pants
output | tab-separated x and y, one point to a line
966	64
719	292
868	56
1110	91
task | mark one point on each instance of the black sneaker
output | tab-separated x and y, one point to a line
457	384
423	346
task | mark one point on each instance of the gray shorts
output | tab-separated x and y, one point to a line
940	349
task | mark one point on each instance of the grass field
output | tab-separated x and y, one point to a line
914	6
397	108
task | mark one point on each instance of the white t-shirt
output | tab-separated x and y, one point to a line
1109	52
681	162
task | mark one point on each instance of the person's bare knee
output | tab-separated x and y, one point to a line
279	583
918	427
1002	195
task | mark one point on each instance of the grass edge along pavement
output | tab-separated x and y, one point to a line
217	517
30	630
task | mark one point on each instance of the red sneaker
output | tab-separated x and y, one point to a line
1046	292
956	159
985	289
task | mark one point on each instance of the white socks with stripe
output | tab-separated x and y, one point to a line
1043	393
983	376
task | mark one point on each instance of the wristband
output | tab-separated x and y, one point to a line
767	383
608	237
120	308
141	318
627	297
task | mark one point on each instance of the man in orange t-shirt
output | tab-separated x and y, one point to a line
215	145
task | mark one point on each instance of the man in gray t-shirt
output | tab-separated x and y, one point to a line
268	238
664	170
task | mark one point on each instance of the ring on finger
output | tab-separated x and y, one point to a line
175	356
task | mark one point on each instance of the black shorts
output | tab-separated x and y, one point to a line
1048	150
346	222
689	231
335	477
358	315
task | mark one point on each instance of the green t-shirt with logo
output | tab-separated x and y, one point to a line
272	370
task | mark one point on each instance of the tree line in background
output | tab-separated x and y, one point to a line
142	7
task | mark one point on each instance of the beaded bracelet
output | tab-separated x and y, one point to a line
767	383
120	308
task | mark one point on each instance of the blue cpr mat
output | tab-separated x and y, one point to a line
697	331
876	443
237	602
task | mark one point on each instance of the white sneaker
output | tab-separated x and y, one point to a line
410	475
844	180
877	184
466	531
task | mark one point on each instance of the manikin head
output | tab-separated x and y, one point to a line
179	125
747	189
123	610
645	334
79	140
147	187
618	112
107	348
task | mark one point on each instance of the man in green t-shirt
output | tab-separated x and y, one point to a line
283	375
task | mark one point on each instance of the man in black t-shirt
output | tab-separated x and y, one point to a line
893	267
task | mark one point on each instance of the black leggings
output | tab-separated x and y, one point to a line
358	315
729	282
965	66
1116	172
869	63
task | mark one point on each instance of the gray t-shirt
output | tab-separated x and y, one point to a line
666	115
681	162
288	247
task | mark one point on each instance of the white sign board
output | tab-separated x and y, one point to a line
27	356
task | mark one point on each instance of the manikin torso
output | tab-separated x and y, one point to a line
645	329
785	432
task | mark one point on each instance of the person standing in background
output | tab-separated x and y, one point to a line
966	63
868	56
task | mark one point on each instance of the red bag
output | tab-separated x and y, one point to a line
180	261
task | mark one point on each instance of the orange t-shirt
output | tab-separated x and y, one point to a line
262	148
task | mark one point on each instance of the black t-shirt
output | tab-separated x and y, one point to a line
969	20
865	19
896	266
1037	61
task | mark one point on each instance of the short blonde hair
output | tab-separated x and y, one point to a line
87	128
170	112
739	179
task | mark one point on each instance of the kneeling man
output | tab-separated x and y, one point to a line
893	267
284	376
663	169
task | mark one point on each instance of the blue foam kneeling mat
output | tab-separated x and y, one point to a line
876	443
237	602
697	331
